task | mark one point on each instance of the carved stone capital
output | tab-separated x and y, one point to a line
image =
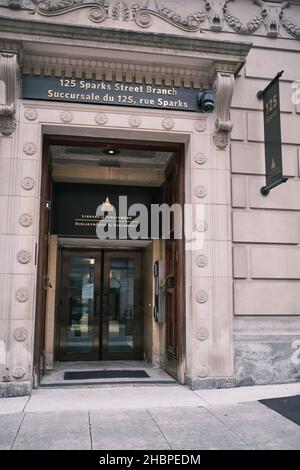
8	92
223	86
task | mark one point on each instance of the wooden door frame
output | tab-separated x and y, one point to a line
181	291
41	261
175	360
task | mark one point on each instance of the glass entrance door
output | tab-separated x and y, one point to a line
80	312
100	315
122	306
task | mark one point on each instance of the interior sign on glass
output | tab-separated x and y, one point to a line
110	93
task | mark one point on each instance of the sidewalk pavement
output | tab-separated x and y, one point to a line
147	417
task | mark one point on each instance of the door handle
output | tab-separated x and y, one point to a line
46	282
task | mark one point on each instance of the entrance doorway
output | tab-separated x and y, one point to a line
101	298
101	312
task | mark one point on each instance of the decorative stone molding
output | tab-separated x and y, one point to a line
135	121
214	14
120	12
202	334
202	296
22	294
66	117
201	261
31	114
223	87
201	225
200	126
168	123
141	13
291	28
20	334
143	16
217	15
18	373
200	192
203	371
27	183
8	92
24	256
251	26
18	4
98	13
200	158
190	77
101	119
25	220
29	148
221	140
271	15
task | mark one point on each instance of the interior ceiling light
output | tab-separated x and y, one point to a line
111	151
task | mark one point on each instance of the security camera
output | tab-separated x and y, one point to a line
206	101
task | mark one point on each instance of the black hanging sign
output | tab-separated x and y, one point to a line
272	129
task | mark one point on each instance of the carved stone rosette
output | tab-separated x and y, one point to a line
203	371
200	158
22	294
18	373
25	220
24	256
135	121
202	334
223	86
27	183
8	78
168	123
20	334
31	114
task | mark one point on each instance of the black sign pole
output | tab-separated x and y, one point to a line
272	130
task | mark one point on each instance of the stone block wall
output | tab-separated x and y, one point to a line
265	229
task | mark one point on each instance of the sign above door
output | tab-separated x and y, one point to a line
104	92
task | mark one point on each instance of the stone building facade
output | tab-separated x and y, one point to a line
240	324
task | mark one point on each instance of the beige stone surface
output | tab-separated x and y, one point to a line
239	191
275	262
246	90
289	127
286	196
266	298
240	262
266	227
249	158
264	63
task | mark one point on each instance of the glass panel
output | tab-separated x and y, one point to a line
120	304
80	331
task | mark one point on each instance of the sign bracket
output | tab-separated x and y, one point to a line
260	94
266	189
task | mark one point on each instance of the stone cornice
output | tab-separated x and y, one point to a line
213	55
235	50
